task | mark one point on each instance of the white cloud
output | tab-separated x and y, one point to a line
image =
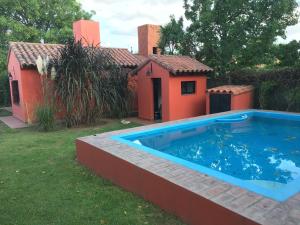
119	19
292	32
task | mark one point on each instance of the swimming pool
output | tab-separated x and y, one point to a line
258	151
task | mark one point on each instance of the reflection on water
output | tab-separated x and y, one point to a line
256	149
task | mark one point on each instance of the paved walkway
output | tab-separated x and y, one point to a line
13	122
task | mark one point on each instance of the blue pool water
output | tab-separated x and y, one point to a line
260	152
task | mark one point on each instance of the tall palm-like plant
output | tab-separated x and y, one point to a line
89	85
45	111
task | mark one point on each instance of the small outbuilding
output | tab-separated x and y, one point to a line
229	97
171	87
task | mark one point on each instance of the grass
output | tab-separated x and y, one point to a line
4	112
41	183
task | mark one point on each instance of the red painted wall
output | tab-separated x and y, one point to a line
145	91
14	70
30	91
174	105
242	101
185	106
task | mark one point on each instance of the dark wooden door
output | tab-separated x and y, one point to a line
220	103
157	98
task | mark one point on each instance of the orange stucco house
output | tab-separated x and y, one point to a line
166	87
171	88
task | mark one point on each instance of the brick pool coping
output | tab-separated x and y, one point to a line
192	196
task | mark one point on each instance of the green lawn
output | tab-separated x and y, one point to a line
41	183
3	112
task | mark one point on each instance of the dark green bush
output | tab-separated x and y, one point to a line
89	84
275	89
45	116
293	99
4	112
267	90
4	90
286	77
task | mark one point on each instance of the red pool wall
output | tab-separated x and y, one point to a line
188	206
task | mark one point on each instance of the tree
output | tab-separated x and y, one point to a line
172	35
226	34
288	55
34	20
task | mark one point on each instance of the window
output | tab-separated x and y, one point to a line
15	91
188	87
155	50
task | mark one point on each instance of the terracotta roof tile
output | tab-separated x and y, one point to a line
27	54
122	57
141	58
231	89
176	64
180	64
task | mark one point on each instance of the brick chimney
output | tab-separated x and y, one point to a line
87	31
148	37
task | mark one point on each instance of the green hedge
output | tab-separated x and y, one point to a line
4	90
276	89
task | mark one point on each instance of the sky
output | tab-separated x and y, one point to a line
119	19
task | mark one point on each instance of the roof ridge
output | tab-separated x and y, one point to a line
231	89
32	43
177	64
26	53
158	56
37	43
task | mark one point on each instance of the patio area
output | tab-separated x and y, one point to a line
13	122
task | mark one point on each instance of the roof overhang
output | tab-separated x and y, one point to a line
172	72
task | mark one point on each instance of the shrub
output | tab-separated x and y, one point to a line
89	85
114	94
293	99
266	94
275	89
45	116
4	90
45	113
